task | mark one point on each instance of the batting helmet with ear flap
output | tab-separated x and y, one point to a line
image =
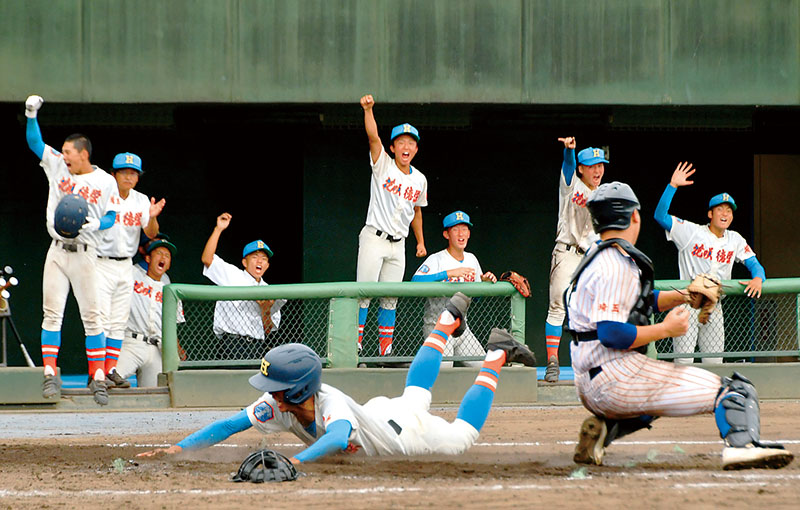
292	368
611	206
70	215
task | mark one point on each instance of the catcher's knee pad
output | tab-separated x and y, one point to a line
737	412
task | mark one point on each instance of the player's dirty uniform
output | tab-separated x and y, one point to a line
381	243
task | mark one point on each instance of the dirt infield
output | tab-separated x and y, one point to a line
523	459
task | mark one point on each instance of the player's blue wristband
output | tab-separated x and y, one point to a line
108	220
436	277
216	432
34	137
655	300
568	166
616	335
756	269
334	439
662	209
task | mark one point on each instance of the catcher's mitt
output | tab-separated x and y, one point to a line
518	281
266	466
704	292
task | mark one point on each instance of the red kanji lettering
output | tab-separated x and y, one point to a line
84	192
416	195
615	308
137	219
721	255
158	297
94	196
409	193
729	257
66	185
602	307
579	199
127	220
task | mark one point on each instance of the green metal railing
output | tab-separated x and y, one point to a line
324	316
767	327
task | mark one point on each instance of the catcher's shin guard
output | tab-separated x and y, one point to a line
621	428
737	412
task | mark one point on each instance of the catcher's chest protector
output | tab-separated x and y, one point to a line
643	309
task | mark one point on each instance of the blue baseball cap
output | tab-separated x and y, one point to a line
127	160
722	198
405	129
591	156
456	218
258	245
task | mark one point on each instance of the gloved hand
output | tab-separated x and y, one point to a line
32	105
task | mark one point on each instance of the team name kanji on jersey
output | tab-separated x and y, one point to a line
723	256
393	187
579	199
91	195
130	219
147	290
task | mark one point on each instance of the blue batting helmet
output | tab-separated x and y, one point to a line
70	215
292	368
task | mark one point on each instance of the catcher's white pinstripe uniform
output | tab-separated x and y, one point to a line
628	384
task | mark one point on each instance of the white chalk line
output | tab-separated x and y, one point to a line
483	445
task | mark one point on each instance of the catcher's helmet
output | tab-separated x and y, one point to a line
611	206
70	215
292	368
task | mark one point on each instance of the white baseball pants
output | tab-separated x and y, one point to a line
710	337
140	358
562	264
63	268
114	288
380	260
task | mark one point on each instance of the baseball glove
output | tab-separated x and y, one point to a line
704	292
518	281
266	466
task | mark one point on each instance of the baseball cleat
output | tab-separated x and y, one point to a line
50	386
516	352
114	380
590	449
552	371
99	391
457	306
751	456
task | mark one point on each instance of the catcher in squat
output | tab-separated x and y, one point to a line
329	421
609	304
706	252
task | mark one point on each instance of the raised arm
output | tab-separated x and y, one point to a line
375	145
32	132
152	227
680	177
568	166
223	220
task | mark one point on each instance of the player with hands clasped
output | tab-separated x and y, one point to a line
453	264
573	236
72	258
141	348
241	326
706	249
398	191
329	421
609	304
135	214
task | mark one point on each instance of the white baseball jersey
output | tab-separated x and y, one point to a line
122	239
626	383
701	251
393	196
238	317
574	221
443	261
97	187
421	432
146	304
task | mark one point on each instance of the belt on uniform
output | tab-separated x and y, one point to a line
147	339
584	336
381	234
576	249
112	258
73	247
397	428
594	371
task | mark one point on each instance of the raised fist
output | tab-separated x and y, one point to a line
32	105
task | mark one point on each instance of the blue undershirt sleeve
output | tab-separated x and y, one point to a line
756	269
333	440
436	277
662	209
34	136
568	166
616	335
108	220
655	301
216	432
